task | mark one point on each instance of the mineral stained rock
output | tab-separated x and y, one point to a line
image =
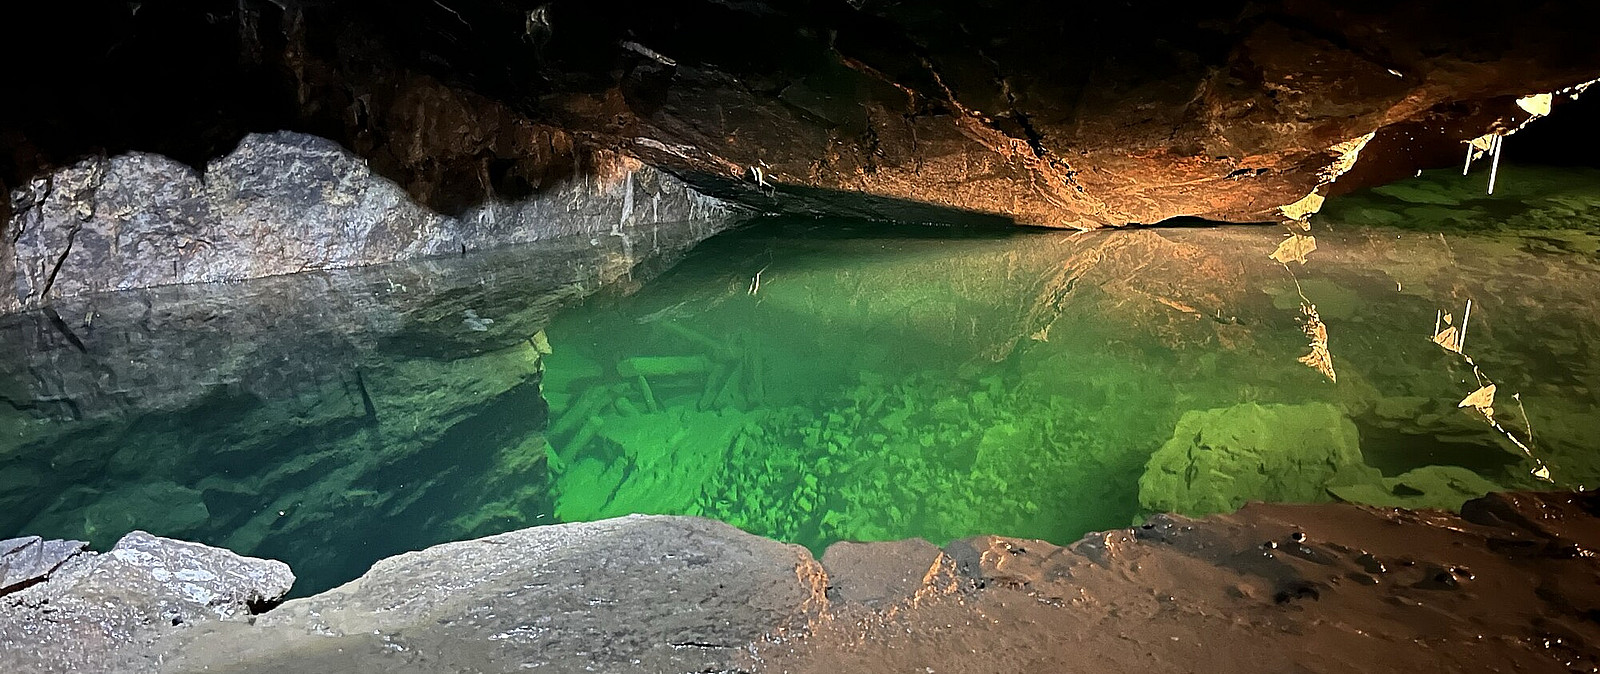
1217	460
1441	487
1505	586
88	612
287	202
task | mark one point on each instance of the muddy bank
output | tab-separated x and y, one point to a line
1507	585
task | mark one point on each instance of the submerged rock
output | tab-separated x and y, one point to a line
1552	201
1218	460
1439	487
165	507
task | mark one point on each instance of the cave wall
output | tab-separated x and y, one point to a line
1033	112
286	202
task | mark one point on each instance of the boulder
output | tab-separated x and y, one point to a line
636	594
87	612
30	559
1220	459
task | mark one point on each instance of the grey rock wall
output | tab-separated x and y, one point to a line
109	355
285	202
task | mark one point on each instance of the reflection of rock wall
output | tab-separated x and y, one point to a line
285	202
276	415
162	348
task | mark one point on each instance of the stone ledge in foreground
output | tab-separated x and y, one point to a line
1511	584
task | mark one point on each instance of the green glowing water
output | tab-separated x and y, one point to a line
816	384
818	381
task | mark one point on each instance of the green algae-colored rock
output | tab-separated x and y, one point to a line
1437	487
1217	460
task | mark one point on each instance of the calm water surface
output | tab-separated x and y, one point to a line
813	381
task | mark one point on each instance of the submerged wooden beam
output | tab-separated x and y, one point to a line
663	366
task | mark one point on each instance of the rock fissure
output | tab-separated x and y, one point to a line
64	329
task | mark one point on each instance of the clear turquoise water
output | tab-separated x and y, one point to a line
813	381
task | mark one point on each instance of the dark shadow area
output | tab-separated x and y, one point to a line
846	206
1190	222
955	225
436	485
1394	451
1570	136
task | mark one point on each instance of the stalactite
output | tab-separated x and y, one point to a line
1494	164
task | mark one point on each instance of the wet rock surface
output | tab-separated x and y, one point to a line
636	594
286	202
1508	585
86	611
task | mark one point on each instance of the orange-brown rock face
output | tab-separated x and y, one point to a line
1107	115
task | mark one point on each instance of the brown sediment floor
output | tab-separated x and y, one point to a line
1509	585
